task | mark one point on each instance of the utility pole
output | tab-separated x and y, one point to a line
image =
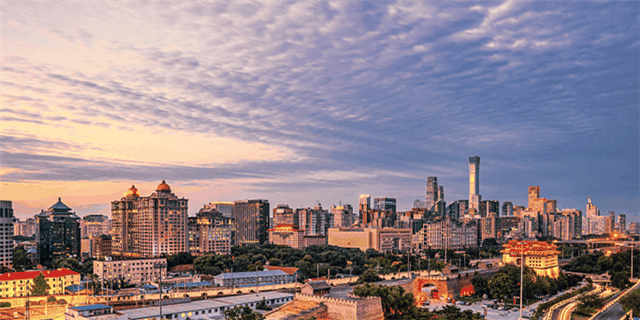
160	266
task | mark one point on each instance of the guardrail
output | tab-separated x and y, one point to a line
614	301
574	298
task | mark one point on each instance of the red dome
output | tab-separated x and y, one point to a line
132	192
163	186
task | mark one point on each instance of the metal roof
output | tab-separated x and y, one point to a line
231	301
251	274
91	307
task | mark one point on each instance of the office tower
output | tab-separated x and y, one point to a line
364	207
463	206
489	208
608	225
313	221
551	205
453	209
94	224
282	214
226	208
100	246
385	204
341	216
592	210
149	226
534	194
6	233
507	209
432	193
575	222
252	220
441	204
26	228
622	221
58	233
417	204
211	232
474	183
634	228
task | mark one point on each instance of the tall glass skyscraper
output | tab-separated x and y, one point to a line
474	182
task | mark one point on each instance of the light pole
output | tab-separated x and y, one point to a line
161	266
521	274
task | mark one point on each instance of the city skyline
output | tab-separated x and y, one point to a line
318	101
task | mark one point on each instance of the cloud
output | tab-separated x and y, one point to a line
322	93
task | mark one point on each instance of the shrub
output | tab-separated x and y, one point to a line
5	305
62	301
239	291
252	291
220	292
51	299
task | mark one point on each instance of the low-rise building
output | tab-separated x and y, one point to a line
540	256
287	234
208	308
379	239
449	233
138	271
93	312
18	284
253	278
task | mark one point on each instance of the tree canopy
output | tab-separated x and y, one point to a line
39	286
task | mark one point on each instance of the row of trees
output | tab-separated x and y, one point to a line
505	284
310	261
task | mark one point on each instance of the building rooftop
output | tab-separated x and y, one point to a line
288	270
91	307
150	312
32	274
319	285
251	274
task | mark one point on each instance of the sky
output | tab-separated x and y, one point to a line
319	101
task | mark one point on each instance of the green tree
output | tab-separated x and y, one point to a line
369	276
480	284
501	286
588	304
242	313
632	301
39	286
21	259
620	279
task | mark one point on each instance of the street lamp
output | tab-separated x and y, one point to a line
161	266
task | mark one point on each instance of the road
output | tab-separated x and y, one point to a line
615	312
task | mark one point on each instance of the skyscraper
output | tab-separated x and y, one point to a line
58	233
474	183
592	210
385	204
534	194
507	209
622	222
364	207
149	226
6	233
252	219
432	193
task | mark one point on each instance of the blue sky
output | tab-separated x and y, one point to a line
299	102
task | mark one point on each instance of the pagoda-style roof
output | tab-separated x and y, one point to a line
530	248
59	206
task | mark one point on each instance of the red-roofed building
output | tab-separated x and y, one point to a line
17	284
288	270
540	256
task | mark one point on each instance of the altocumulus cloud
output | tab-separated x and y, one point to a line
383	93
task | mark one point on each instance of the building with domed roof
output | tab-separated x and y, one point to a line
58	233
149	226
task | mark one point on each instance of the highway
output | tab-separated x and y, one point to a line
564	310
615	312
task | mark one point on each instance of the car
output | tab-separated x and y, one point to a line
467	303
495	306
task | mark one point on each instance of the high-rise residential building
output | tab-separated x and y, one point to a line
634	228
363	208
489	208
622	222
575	222
313	220
507	209
211	232
226	208
534	194
453	210
252	220
100	246
441	205
342	216
609	224
592	210
26	228
385	204
474	183
94	224
448	233
551	206
282	214
149	226
6	233
58	233
432	193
